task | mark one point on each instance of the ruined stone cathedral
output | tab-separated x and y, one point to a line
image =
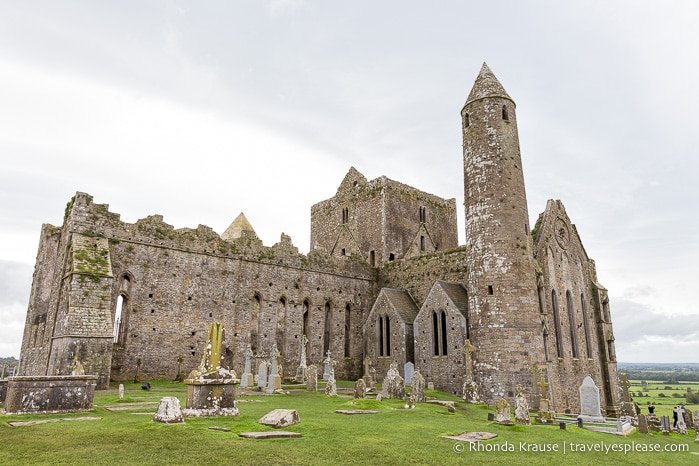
385	279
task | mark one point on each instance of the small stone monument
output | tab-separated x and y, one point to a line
331	387
326	369
312	378
696	425
536	376
262	375
408	371
521	407
359	389
121	391
665	425
301	371
180	376
590	410
368	377
417	387
211	387
627	407
247	379
393	384
545	415
503	415
469	389
642	424
275	381
681	425
169	411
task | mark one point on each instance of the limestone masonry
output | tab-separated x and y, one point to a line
385	279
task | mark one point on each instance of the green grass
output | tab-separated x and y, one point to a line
395	436
663	405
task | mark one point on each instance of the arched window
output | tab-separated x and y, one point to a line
435	333
557	324
381	335
347	331
467	120
573	325
328	328
444	333
588	345
117	319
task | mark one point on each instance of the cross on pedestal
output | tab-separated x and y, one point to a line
543	386
625	385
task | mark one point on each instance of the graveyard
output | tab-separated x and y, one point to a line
122	430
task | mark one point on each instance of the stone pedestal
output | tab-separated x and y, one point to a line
211	397
247	380
50	394
169	411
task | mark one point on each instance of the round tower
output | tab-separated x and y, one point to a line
504	306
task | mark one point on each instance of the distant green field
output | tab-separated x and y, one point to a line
395	436
664	396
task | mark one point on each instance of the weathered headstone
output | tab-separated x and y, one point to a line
642	424
312	378
665	425
301	371
121	391
590	410
469	389
417	387
275	381
503	415
393	384
536	376
179	377
280	418
331	386
430	385
262	375
696	425
169	411
545	415
521	407
408	371
247	379
326	367
681	425
369	372
359	389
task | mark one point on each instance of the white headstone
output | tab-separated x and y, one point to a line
262	375
590	410
121	391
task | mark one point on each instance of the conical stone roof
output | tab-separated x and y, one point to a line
486	85
236	229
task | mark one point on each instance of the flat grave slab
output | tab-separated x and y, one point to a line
357	411
471	437
273	434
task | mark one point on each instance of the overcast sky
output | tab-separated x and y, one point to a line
201	110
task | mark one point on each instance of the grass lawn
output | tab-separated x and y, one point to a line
664	396
395	436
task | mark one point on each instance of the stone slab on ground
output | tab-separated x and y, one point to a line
273	434
280	418
471	437
222	429
131	406
447	404
44	421
356	411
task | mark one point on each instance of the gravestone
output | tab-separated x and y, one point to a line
312	378
275	381
408	370
331	386
247	379
359	389
262	375
369	373
179	377
326	368
430	385
545	415
169	411
681	425
590	410
696	425
393	385
665	425
417	387
536	376
503	415
469	388
642	424
521	407
302	370
121	391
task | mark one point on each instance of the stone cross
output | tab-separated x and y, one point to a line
625	385
467	350
536	375
179	377
326	371
543	386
